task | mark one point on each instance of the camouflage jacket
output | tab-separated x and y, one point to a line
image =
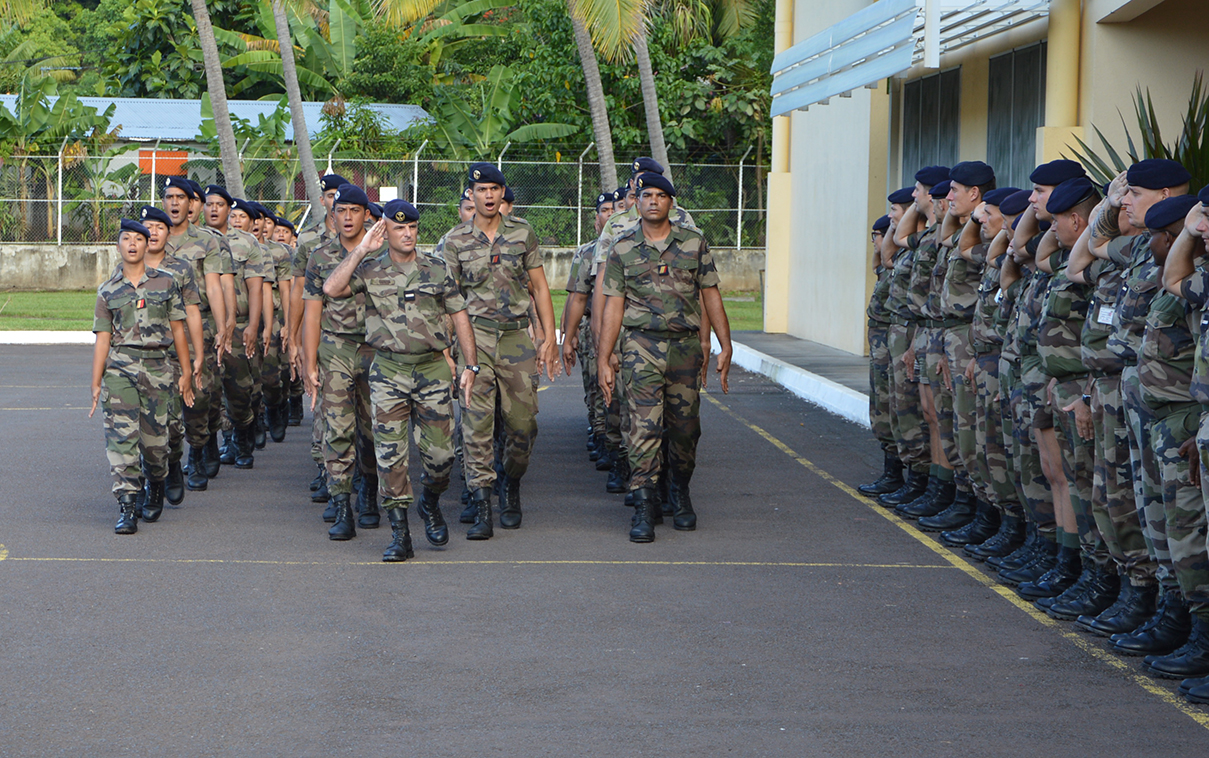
250	261
983	332
308	240
660	281
203	251
1133	302
1108	276
1006	317
1059	341
959	293
877	311
139	315
494	274
181	271
1195	290
341	315
1028	312
926	248
1167	354
406	304
281	258
620	222
581	280
898	299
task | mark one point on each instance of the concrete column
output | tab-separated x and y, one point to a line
779	231
1064	57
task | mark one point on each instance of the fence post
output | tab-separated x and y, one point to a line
415	175
499	162
154	152
330	153
59	195
739	212
579	199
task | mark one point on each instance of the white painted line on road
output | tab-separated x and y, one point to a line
47	338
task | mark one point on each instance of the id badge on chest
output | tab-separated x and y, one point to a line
1105	315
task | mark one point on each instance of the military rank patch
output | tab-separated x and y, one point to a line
142	303
663	269
495	258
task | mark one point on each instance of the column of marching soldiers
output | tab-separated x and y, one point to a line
220	321
1040	386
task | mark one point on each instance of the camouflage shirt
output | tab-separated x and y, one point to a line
494	274
139	315
925	247
983	333
1108	277
620	222
203	251
898	300
341	315
581	281
1059	340
877	311
283	268
1006	317
250	261
308	240
180	271
1028	312
1167	354
1195	290
1133	301
959	294
660	281
406	303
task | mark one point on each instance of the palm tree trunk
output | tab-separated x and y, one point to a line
232	175
596	101
650	102
302	138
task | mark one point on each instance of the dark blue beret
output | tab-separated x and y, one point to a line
1015	221
932	175
1055	172
239	204
902	196
655	181
1015	203
1170	211
467	194
1157	173
260	209
602	198
332	181
401	211
151	213
375	210
972	173
645	164
197	189
1204	196
283	221
997	196
508	196
133	226
351	194
486	173
882	224
941	189
620	193
182	184
1070	193
216	189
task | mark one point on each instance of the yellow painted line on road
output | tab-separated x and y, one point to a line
1007	593
58	408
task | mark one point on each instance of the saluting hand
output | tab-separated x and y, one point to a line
1117	190
373	238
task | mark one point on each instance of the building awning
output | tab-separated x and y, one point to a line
885	39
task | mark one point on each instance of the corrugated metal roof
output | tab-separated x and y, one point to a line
150	119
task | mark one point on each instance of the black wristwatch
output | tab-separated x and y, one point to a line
1087	399
474	369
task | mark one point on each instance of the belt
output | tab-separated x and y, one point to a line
502	326
145	352
657	334
944	323
900	321
1163	411
410	358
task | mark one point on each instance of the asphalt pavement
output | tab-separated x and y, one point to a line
798	620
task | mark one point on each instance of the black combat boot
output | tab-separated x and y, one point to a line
1044	557
320	474
663	495
429	508
345	527
890	480
928	494
1166	631
684	519
482	528
983	527
510	503
367	502
1190	661
605	461
243	448
260	431
1023	554
213	457
1087	572
619	475
469	509
962	511
916	484
128	514
1135	605
924	506
323	494
197	481
1056	579
154	505
295	403
174	485
1008	539
279	416
641	527
229	449
1099	593
400	548
593	450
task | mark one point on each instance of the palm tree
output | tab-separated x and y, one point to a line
302	137
596	100
233	177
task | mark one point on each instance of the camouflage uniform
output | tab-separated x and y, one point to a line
1029	403
240	372
1010	387
406	305
661	348
494	278
275	376
1193	580
136	389
879	360
581	282
906	417
959	295
926	289
309	239
345	359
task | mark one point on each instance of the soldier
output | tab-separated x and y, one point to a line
658	278
285	234
498	265
878	329
334	337
215	275
275	377
507	202
139	315
408	299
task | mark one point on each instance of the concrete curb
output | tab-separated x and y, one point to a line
47	338
835	398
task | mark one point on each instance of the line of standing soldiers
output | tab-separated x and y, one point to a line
1040	386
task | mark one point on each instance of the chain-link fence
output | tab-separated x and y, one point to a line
81	198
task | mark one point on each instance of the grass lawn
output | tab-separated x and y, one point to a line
36	311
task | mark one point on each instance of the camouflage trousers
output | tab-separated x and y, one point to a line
662	378
616	413
318	424
507	363
1112	500
906	417
1183	504
1009	388
239	381
942	401
587	367
198	419
879	384
136	390
275	374
1147	482
1027	404
176	417
348	439
958	352
403	391
992	475
1078	467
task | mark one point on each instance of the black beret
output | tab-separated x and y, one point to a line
1170	211
1055	172
260	209
972	173
620	193
283	221
645	164
1070	193
217	189
1015	221
902	196
602	198
182	184
486	173
375	210
1157	173
332	181
508	196
1015	203
930	175
654	181
401	211
151	213
941	189
351	194
882	224
1204	196
133	226
239	204
997	196
197	190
